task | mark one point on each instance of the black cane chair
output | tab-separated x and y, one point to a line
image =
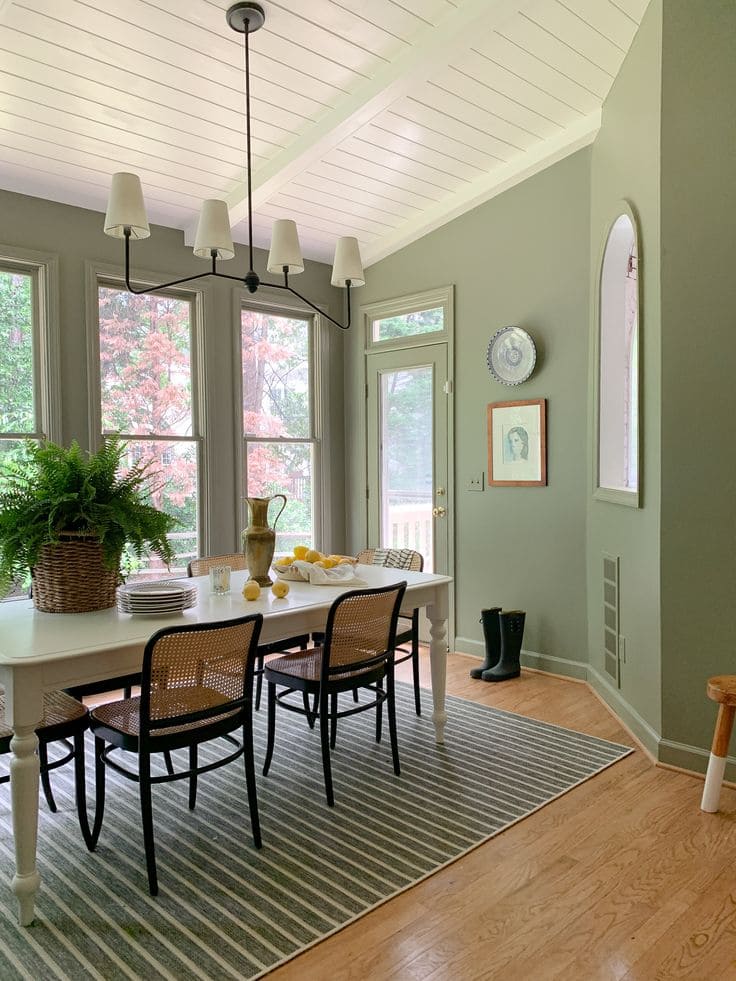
65	720
407	635
236	561
358	652
196	685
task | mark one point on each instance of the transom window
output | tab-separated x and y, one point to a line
279	432
409	324
147	374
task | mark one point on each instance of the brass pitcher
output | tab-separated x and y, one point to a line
259	539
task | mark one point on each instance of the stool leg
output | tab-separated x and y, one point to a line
717	761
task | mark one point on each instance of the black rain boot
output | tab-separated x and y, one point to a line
492	635
511	623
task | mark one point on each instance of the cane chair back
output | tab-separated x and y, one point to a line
201	566
194	675
361	628
405	559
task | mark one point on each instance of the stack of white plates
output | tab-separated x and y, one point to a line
156	599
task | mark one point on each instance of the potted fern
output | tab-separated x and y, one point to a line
66	516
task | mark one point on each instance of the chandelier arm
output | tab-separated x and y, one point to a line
158	286
290	289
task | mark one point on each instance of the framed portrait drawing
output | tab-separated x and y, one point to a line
517	443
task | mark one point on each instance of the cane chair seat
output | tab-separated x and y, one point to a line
125	716
60	711
306	665
65	721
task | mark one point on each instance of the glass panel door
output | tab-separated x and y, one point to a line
406	464
408	455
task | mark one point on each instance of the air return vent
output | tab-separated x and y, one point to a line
611	616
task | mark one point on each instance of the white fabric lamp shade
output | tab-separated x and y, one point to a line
285	249
347	264
213	231
125	208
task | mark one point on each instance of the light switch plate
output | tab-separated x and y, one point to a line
476	481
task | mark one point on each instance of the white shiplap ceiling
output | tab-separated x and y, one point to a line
381	120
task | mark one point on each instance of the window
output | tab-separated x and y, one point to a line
280	453
147	394
423	318
28	366
29	388
409	324
618	369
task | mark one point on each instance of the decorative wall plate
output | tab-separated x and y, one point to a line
511	355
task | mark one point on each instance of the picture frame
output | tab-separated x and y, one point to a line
517	443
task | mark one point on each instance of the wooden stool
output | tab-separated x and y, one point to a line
721	689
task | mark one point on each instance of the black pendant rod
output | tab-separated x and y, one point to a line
246	47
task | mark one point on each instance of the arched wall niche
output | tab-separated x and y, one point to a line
618	397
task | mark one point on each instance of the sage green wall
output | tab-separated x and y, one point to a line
521	258
75	235
698	359
625	164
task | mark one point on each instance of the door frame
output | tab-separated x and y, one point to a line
441	296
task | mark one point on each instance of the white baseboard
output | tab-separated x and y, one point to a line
679	755
530	659
638	726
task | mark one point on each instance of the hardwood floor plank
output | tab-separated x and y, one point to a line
622	878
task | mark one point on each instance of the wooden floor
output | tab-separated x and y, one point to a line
624	877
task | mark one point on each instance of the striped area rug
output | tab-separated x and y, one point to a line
227	911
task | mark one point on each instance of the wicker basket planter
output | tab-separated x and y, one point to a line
71	577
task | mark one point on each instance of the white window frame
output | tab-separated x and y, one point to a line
97	275
414	303
43	268
613	495
319	406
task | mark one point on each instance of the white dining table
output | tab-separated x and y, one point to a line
43	651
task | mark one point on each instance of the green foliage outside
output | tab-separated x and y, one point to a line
16	353
408	324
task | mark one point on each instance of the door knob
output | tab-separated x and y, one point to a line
439	512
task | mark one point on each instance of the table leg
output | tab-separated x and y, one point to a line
438	663
24	772
24	709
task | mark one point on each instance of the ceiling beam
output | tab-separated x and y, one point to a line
500	179
435	47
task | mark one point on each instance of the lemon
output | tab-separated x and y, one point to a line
345	562
301	552
321	563
328	563
251	590
284	560
312	555
280	588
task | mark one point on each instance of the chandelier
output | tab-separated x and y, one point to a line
126	216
